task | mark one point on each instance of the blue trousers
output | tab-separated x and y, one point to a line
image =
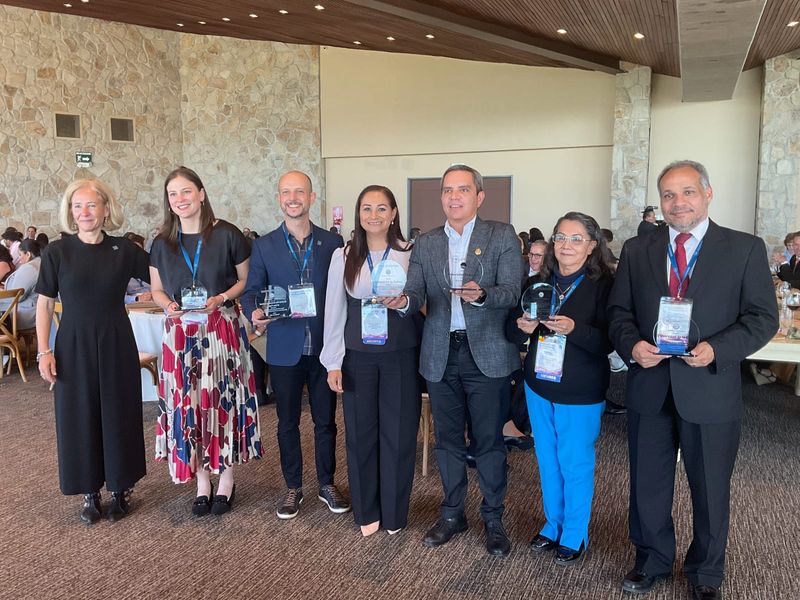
565	436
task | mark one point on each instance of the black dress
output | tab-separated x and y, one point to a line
98	397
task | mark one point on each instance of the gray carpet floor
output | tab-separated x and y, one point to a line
161	551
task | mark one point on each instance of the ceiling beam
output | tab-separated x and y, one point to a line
432	16
715	38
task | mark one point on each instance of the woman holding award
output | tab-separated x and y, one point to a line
566	376
207	392
371	357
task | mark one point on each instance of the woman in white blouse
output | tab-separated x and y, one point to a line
371	355
25	277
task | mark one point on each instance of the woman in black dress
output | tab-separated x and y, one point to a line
95	364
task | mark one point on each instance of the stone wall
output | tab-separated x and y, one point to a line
250	112
238	112
778	209
631	155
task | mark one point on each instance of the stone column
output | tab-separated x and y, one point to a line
777	207
631	155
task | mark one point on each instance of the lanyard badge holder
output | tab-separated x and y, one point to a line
550	349
388	281
672	331
302	300
193	298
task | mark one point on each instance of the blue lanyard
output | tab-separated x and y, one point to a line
307	255
674	265
192	265
380	265
553	308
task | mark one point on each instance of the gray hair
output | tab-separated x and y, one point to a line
476	177
679	164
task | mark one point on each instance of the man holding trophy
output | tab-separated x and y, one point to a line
690	302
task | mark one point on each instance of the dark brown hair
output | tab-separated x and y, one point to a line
357	249
169	230
596	262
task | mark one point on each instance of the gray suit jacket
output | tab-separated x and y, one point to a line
496	246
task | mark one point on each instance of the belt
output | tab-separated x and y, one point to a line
459	335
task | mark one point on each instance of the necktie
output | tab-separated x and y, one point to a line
680	258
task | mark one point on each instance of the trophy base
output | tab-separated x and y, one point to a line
679	354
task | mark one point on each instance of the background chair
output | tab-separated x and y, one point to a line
9	337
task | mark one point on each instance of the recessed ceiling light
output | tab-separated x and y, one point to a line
283	11
319	7
253	15
638	36
68	5
85	1
202	22
226	19
179	24
561	31
430	36
390	38
357	43
793	23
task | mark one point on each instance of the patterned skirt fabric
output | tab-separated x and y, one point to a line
207	396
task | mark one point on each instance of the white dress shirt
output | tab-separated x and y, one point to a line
458	245
698	233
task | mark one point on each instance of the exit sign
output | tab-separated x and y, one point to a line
83	159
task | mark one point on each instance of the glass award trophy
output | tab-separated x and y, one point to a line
275	302
537	302
673	329
388	279
459	271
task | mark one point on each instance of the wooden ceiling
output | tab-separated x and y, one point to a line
599	33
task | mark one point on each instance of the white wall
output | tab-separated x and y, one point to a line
389	117
724	136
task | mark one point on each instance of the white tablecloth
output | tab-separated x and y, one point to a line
148	329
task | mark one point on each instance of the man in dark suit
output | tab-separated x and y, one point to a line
648	223
791	271
692	402
296	257
465	356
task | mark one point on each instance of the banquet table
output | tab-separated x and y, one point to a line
782	349
148	328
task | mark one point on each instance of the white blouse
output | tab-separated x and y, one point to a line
333	348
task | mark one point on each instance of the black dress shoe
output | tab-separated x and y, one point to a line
443	530
223	504
497	542
638	581
568	556
612	408
120	505
706	592
202	504
90	511
523	442
541	544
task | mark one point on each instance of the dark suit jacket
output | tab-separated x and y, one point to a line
271	264
790	272
497	247
734	308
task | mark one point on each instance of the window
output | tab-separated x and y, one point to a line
122	130
68	126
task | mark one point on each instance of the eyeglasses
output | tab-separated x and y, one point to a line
538	255
562	239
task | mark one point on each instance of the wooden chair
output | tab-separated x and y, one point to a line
149	362
427	430
9	336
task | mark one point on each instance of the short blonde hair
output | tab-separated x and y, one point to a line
115	216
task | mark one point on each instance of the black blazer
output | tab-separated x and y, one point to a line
734	308
790	272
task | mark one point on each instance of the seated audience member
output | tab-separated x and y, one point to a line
535	256
6	263
42	239
535	234
608	235
11	239
24	278
789	271
788	251
30	232
648	223
138	289
525	241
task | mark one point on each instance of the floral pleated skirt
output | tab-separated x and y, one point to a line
208	416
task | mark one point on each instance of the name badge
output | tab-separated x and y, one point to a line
194	298
374	323
549	363
673	327
302	301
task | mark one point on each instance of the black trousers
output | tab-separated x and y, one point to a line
381	404
465	389
708	453
287	382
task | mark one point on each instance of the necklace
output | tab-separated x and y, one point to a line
562	293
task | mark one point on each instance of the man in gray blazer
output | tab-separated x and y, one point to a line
465	356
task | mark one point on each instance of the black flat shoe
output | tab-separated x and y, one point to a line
567	556
522	443
120	505
90	511
202	504
223	504
443	530
541	544
612	408
497	542
638	581
471	462
706	592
